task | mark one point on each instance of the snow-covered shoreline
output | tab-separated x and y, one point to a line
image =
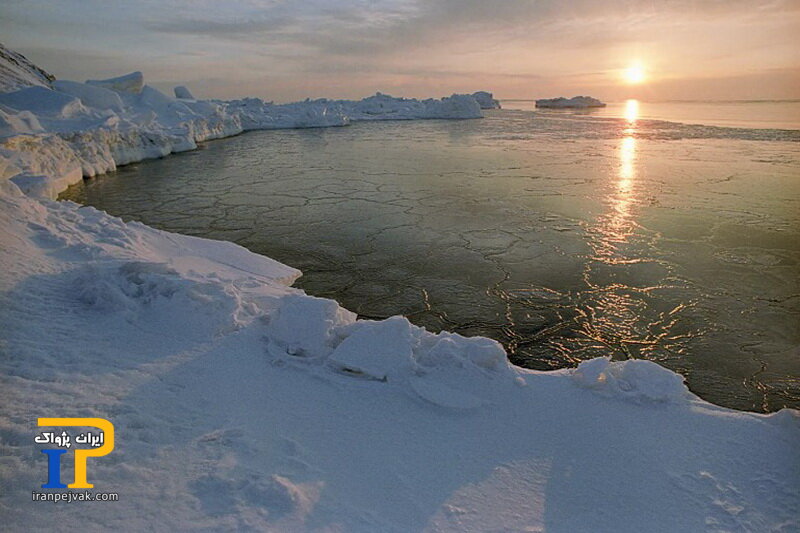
243	403
52	136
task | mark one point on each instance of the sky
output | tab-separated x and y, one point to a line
289	50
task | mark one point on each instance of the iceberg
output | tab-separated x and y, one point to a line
183	93
486	100
579	102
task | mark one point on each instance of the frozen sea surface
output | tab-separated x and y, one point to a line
563	236
780	114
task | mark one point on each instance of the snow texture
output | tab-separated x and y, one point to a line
241	403
17	72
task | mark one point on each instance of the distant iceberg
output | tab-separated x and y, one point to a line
183	93
566	103
486	100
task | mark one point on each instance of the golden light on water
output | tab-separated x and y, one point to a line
632	110
627	159
634	74
627	149
618	224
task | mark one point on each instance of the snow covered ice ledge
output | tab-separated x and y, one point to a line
54	133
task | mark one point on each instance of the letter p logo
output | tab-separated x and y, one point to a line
54	456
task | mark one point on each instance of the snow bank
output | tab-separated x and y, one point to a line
383	107
95	97
256	114
100	124
575	101
42	101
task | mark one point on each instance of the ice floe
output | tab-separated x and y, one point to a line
575	101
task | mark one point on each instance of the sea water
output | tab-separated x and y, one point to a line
563	235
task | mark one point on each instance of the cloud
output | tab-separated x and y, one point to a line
443	43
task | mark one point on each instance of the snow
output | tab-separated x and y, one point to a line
625	380
93	127
486	100
129	83
240	402
17	72
41	101
575	101
94	97
382	107
183	93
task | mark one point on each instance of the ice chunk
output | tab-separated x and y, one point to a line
376	349
575	101
23	122
182	92
90	95
43	101
634	379
129	83
486	100
382	107
452	350
305	326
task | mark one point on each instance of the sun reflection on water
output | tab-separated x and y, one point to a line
632	111
612	302
627	160
617	225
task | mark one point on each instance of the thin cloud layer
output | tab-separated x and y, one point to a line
519	49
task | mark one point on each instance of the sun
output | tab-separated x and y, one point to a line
634	74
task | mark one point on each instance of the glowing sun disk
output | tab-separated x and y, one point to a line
634	74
